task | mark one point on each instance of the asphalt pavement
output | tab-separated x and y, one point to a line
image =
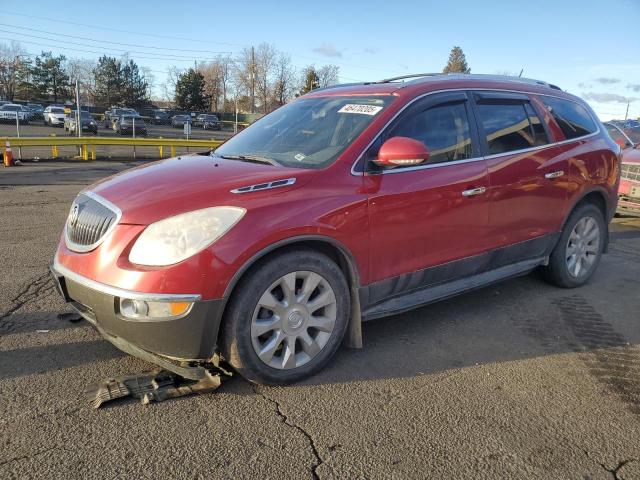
517	380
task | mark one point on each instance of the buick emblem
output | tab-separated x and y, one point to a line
73	215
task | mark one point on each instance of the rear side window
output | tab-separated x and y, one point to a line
573	118
444	129
511	126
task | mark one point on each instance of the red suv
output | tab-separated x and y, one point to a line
629	190
351	203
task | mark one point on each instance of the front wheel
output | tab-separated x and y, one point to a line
287	318
579	249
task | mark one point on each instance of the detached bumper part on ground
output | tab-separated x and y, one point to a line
183	345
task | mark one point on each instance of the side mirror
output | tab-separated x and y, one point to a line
398	151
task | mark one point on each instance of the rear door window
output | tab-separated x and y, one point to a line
573	118
509	125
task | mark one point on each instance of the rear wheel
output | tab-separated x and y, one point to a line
287	318
578	252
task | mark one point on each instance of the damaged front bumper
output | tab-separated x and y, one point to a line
183	345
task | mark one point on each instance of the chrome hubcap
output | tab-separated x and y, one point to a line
293	320
583	247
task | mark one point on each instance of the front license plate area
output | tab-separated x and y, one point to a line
635	191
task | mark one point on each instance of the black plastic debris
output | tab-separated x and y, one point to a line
155	386
71	317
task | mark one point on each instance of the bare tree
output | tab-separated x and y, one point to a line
83	70
328	75
284	80
245	74
168	88
266	56
215	78
13	63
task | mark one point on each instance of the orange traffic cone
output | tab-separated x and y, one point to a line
8	156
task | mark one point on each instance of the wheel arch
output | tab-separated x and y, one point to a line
326	245
597	196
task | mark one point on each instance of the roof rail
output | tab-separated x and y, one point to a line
483	76
319	89
403	77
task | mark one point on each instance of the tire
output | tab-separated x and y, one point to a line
313	347
568	270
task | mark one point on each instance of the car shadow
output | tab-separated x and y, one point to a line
47	358
45	321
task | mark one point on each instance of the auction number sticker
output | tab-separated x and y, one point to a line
362	109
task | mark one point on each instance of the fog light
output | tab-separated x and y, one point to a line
143	310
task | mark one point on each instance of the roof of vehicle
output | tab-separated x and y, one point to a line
411	85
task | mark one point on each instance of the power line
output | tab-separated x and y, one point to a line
156	55
96	52
20	27
200	41
100	27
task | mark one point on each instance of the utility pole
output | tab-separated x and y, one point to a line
78	116
253	78
626	114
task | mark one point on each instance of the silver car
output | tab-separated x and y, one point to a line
53	116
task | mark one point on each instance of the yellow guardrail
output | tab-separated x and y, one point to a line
88	144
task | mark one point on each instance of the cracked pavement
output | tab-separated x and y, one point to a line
517	380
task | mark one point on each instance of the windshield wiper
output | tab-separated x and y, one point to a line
251	158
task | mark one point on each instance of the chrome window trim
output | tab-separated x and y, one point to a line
621	131
87	248
475	159
62	271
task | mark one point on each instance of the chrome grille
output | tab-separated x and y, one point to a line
90	219
630	172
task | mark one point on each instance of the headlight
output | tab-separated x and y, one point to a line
176	238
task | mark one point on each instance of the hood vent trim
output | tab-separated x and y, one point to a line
265	186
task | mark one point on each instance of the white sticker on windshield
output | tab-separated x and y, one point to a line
299	156
362	109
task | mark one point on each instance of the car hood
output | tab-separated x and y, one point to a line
162	189
631	155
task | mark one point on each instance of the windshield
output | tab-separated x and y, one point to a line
57	110
307	133
12	108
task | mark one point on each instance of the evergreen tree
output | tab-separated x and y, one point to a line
310	81
457	62
109	82
49	78
135	88
190	91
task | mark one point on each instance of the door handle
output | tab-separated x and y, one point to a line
557	174
473	191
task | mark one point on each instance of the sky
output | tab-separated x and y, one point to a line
587	47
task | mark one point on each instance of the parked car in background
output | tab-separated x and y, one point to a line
629	189
349	203
209	122
12	111
4	102
53	116
178	121
89	124
111	115
127	124
36	110
160	117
